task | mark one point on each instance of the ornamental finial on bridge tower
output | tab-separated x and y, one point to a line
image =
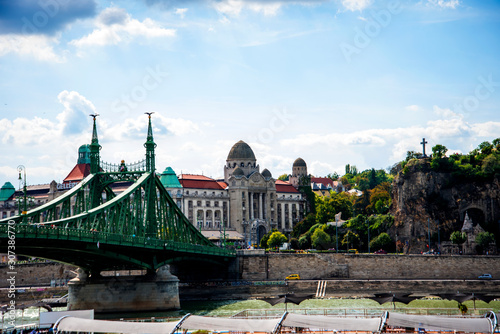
150	147
94	147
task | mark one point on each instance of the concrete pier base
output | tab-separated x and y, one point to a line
158	292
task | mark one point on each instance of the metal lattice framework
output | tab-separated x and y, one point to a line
94	228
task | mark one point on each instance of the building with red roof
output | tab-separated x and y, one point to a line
246	201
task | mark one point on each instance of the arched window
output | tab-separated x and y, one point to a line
242	164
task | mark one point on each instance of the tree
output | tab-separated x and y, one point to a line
265	239
333	176
294	243
439	151
320	240
276	239
383	240
283	177
412	155
350	239
304	225
490	165
496	143
483	239
328	206
485	148
380	198
458	237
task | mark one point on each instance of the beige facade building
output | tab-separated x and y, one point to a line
247	201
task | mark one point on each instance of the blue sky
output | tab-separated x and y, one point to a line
337	82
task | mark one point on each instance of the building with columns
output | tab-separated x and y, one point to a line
247	203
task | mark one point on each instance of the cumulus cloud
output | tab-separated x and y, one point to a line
73	119
181	12
354	5
114	26
38	46
29	17
452	4
391	145
412	107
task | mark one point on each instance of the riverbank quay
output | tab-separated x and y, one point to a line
224	290
259	265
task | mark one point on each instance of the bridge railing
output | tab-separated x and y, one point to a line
139	166
58	233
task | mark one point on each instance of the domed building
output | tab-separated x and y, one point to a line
246	203
299	170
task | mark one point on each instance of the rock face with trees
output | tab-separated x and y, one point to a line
431	197
446	204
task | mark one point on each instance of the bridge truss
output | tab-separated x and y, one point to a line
96	229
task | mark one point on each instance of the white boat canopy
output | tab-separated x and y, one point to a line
486	324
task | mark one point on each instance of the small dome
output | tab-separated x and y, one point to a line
84	148
8	185
168	171
241	151
7	191
299	162
238	172
266	173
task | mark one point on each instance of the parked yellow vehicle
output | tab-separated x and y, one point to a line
293	276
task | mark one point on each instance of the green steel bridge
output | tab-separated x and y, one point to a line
95	229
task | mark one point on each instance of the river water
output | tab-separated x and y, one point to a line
333	306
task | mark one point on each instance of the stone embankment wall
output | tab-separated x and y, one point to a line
359	266
39	274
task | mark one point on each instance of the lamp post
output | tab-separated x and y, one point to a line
22	169
368	223
429	234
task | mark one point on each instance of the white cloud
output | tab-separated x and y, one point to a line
446	112
38	46
181	12
412	107
76	111
445	4
234	7
354	5
114	26
387	146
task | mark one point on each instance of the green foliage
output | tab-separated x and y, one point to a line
283	177
439	151
351	240
463	308
490	165
304	242
304	225
458	237
412	155
276	239
380	198
263	242
328	206
333	176
382	241
320	240
483	239
480	164
294	243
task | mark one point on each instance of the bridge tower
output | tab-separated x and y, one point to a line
150	191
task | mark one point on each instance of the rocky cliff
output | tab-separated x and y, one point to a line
432	203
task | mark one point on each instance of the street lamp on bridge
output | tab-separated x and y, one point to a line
22	169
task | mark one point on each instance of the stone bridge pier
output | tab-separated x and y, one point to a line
156	292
